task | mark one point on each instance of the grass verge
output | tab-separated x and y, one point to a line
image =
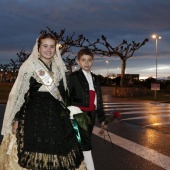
155	96
160	96
4	91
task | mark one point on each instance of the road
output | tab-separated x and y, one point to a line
140	137
139	140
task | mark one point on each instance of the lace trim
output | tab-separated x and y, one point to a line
19	89
10	161
16	97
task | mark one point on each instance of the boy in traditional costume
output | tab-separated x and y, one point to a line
85	93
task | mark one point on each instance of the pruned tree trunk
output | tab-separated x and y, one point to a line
123	73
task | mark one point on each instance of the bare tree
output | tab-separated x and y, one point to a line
100	47
70	62
22	56
4	68
124	51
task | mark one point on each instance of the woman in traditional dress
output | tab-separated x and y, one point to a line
37	132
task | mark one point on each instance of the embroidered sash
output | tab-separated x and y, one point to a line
48	81
52	88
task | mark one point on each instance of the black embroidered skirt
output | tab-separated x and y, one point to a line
45	137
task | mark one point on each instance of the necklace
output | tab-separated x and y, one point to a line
48	67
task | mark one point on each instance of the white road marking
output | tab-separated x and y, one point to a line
137	110
146	117
126	103
157	124
142	151
138	104
145	111
123	105
135	105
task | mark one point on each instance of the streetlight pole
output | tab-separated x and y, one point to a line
156	41
107	62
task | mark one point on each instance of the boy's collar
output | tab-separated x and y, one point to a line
85	72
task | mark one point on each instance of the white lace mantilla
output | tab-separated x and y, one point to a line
21	85
8	148
19	89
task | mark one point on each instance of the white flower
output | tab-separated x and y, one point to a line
74	110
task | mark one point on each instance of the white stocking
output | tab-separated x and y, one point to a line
88	160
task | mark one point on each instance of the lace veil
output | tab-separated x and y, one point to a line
21	85
8	147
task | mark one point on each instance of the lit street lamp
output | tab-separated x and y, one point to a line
118	70
107	62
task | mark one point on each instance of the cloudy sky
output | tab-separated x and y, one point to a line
132	20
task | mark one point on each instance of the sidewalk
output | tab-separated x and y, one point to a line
111	99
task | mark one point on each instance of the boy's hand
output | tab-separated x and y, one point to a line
14	127
103	128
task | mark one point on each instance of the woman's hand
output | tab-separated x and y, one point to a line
14	127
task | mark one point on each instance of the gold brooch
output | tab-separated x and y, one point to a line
41	72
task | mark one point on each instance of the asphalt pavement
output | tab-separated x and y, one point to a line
128	146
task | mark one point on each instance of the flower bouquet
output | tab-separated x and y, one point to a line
73	111
112	117
109	118
79	118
